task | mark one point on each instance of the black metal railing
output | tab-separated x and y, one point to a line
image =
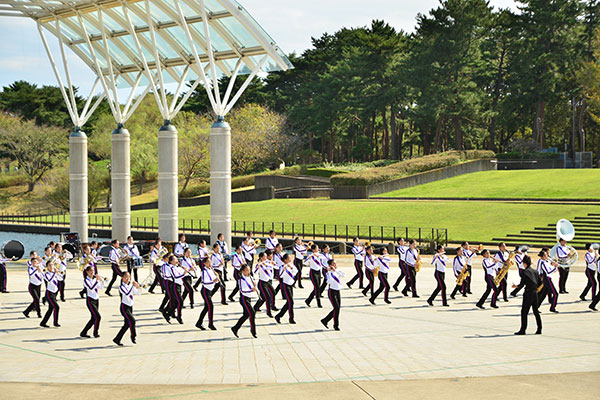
334	232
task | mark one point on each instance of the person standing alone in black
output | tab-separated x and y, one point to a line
530	279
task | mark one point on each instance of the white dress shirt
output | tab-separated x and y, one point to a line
299	251
401	250
314	261
127	292
440	261
208	277
590	260
180	248
545	267
470	255
562	251
359	253
216	260
248	250
246	285
288	274
369	262
132	250
411	257
458	264
202	253
114	255
383	262
165	270
265	270
489	264
92	286
177	273
35	276
519	260
237	261
334	279
278	258
271	243
324	260
52	279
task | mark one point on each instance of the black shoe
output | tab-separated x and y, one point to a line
372	301
62	300
520	333
151	291
319	306
292	321
96	335
464	295
395	288
179	320
254	335
57	325
199	326
592	308
274	308
278	319
349	285
446	305
224	303
430	302
44	325
452	297
513	294
117	342
39	315
388	302
84	335
133	340
231	299
469	292
324	324
269	315
416	296
582	298
235	332
565	292
364	293
480	306
81	294
405	293
538	332
301	287
108	294
506	300
495	306
337	328
307	303
554	311
26	314
212	327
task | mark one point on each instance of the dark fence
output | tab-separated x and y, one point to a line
334	232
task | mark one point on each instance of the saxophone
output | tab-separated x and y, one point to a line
87	261
419	263
464	273
505	267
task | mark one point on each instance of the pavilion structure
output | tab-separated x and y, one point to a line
136	47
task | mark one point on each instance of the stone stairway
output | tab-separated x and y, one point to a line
587	230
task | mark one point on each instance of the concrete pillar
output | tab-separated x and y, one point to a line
120	184
168	202
220	180
78	184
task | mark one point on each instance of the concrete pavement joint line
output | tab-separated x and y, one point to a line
361	388
263	345
37	352
363	377
478	327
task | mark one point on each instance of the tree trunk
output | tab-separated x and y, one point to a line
30	186
459	136
373	139
438	137
331	145
386	136
573	129
310	141
580	127
394	133
185	183
400	138
538	124
142	182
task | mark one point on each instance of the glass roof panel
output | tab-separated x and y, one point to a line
238	31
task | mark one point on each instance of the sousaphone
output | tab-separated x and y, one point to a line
566	232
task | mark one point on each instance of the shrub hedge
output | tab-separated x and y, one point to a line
8	180
515	155
409	167
323	172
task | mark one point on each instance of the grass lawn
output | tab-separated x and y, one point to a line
549	183
474	221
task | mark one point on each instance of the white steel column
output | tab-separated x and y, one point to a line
220	180
120	184
168	201
78	184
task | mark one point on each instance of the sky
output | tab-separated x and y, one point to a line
291	23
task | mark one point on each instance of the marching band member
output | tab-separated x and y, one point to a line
501	258
34	270
167	280
115	258
217	261
289	272
128	289
596	298
247	289
439	262
314	262
359	256
369	269
177	274
203	253
401	251
299	254
188	264
590	272
271	241
93	283
252	248
264	268
457	266
248	249
209	280
530	279
180	247
3	277
238	260
334	280
95	245
383	262
278	259
87	252
52	277
48	256
489	266
133	252
410	261
224	250
157	261
519	255
64	256
562	251
470	255
546	267
324	258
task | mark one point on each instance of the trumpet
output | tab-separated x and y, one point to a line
257	242
87	261
367	243
309	244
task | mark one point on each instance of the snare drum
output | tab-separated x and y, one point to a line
138	262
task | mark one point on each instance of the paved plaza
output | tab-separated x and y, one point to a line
404	340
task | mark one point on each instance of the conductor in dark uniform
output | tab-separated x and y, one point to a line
530	279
